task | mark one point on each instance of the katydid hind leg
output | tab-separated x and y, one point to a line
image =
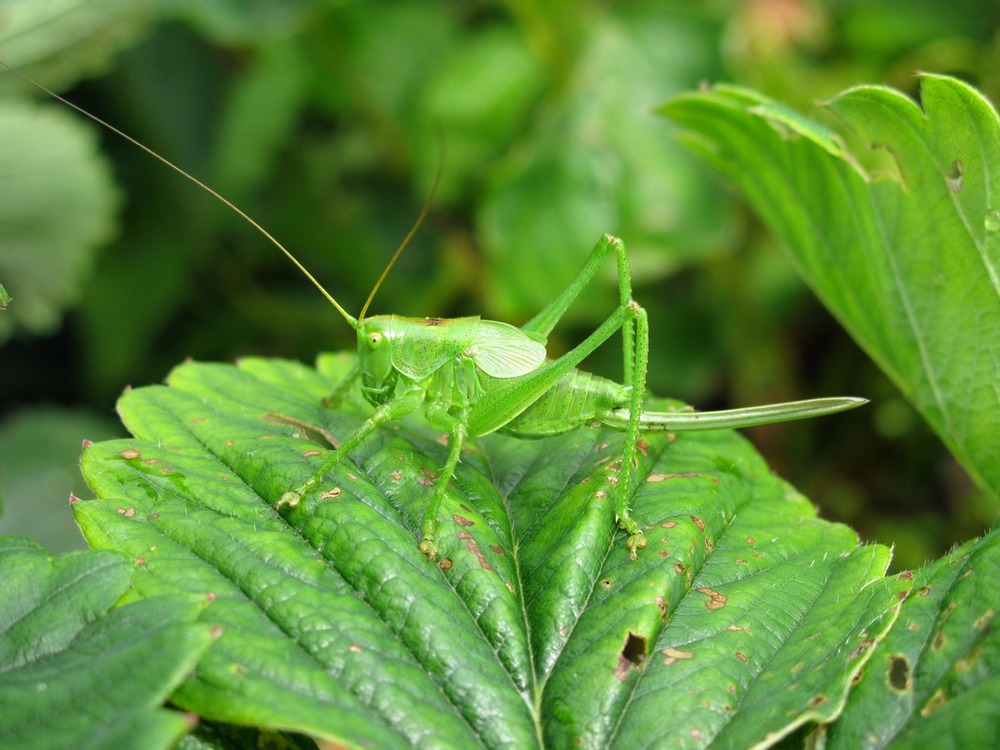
548	318
626	488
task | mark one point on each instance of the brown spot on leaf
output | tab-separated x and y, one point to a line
167	470
462	520
642	446
354	648
699	522
862	647
923	592
311	453
674	654
470	544
981	622
663	606
509	585
229	443
151	461
751	540
935	702
396	475
140	561
497	549
130	454
669	524
429	473
445	564
127	512
607	583
425	482
938	642
967	662
742	657
197	420
817	700
331	493
715	599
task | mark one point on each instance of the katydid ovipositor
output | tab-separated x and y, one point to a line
474	377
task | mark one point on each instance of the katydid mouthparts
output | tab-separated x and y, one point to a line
474	377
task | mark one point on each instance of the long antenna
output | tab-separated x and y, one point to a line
351	321
413	230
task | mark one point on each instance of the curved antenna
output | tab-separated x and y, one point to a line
413	230
351	321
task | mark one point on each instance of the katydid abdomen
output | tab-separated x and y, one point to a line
577	399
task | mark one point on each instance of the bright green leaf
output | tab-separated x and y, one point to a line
933	682
909	261
745	617
73	674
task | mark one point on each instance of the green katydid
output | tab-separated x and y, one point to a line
4	298
474	377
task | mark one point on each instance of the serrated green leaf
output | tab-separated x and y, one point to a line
933	681
73	674
908	260
744	617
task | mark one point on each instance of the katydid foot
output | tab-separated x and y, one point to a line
427	544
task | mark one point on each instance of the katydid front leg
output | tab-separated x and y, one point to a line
404	403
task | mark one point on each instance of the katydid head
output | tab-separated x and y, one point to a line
378	376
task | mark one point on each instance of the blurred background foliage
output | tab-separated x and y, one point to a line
322	119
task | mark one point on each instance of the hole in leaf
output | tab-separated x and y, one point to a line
899	672
955	176
634	650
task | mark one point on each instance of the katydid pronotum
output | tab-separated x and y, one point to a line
474	377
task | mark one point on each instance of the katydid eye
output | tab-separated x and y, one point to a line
375	339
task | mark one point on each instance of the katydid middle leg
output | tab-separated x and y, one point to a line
548	318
